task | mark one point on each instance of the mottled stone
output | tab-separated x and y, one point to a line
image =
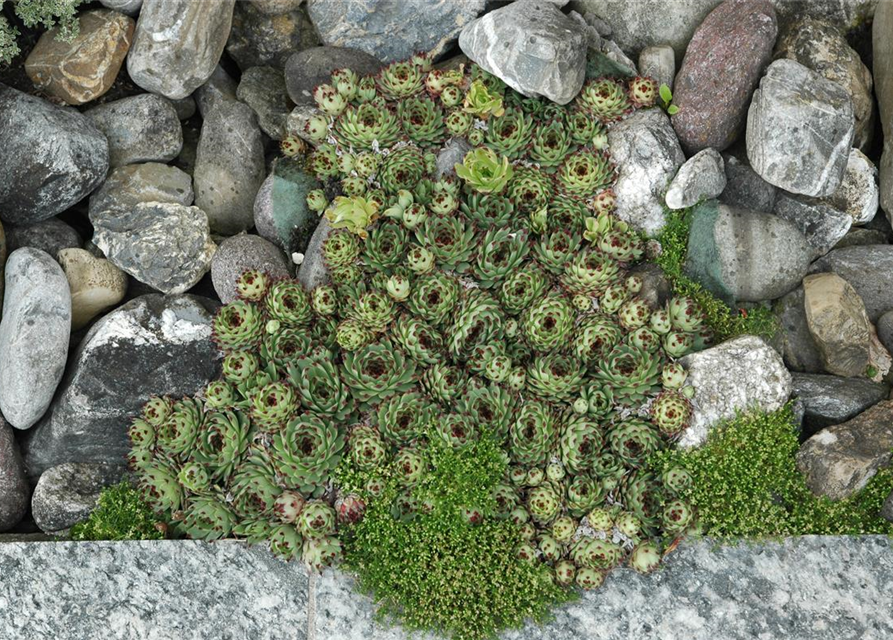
882	51
305	70
277	7
34	335
153	345
263	89
85	68
218	87
532	47
869	269
647	155
14	490
840	460
392	30
821	224
745	255
52	157
67	493
281	214
729	50
745	188
821	46
658	62
185	107
177	44
857	194
702	177
838	323
3	253
96	285
797	346
240	253
143	128
165	245
885	330
129	186
887	508
829	400
51	235
738	375
857	236
791	104
313	271
260	39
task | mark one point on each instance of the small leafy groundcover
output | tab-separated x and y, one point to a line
464	415
120	514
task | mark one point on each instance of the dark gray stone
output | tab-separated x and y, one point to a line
281	214
260	39
745	255
67	493
702	177
858	191
240	253
882	51
229	167
185	107
165	245
53	157
143	128
177	44
869	269
885	330
792	103
797	345
821	224
129	186
830	400
51	235
263	89
658	62
745	188
153	345
532	47
219	87
887	508
14	490
392	30
453	153
313	271
34	335
857	236
305	70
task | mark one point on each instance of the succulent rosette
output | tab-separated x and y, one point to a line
306	451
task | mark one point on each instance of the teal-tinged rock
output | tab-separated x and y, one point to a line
281	214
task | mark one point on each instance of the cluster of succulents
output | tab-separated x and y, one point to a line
498	301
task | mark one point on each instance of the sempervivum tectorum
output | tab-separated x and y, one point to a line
400	80
529	189
671	412
319	553
645	557
685	314
306	451
362	126
594	553
404	417
606	99
450	239
159	486
478	320
194	478
642	91
583	493
443	382
509	134
419	340
254	487
594	338
590	272
456	429
520	288
422	120
377	371
543	504
631	373
238	325
385	247
677	516
550	144
289	303
367	449
490	407
500	252
316	520
533	433
633	440
555	377
340	248
401	169
489	210
640	493
177	435
207	518
585	172
547	323
409	466
280	348
677	480
555	249
222	442
272	404
579	445
285	541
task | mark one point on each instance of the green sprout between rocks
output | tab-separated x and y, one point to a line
120	514
725	322
33	13
666	98
745	484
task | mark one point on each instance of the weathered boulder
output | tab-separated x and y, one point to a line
744	187
14	490
220	86
261	39
869	269
281	214
857	194
882	52
313	270
34	335
738	375
306	70
263	89
67	493
141	128
797	346
240	253
822	224
702	177
50	235
129	186
153	345
96	285
829	400
658	62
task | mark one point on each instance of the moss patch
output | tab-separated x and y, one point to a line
121	514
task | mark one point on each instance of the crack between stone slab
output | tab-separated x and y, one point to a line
311	605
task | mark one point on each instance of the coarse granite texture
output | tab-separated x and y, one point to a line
808	588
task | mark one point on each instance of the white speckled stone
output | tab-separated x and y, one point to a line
702	177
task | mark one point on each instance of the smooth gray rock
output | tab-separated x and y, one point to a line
797	345
887	508
701	177
165	245
34	335
830	400
791	104
218	87
453	153
51	235
129	186
143	128
658	62
840	460
313	270
177	44
885	330
745	188
647	155
240	253
96	285
53	157
869	269
392	30
277	7
882	51
532	47
743	255
738	375
130	7
263	89
261	39
14	490
229	167
821	224
305	70
153	345
858	191
858	236
281	214
185	107
67	493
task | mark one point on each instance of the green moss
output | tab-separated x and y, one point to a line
120	514
725	322
746	484
438	572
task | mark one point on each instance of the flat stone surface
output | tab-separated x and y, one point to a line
129	186
829	400
869	269
815	587
85	68
883	78
821	223
744	186
51	235
259	39
263	89
702	177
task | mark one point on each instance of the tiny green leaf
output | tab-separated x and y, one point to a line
665	93
672	109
